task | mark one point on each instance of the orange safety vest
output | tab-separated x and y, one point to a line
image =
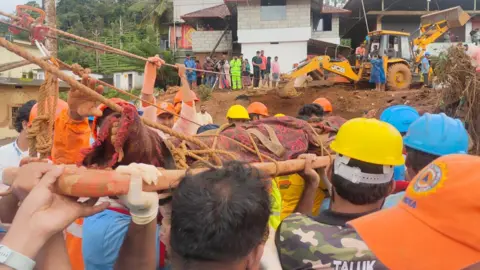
73	239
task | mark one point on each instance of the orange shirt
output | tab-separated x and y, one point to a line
360	51
70	136
263	66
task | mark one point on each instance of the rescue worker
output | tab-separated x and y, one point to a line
237	114
401	117
326	105
165	114
438	218
429	137
361	179
191	74
257	110
236	71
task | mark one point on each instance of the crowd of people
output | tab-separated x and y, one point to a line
400	194
236	73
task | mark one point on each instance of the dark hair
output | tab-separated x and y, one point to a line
23	114
258	51
361	194
243	97
187	54
417	160
219	215
196	61
308	110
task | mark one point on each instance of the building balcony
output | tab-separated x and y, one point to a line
205	41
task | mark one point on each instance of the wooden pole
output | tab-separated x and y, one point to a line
50	11
81	182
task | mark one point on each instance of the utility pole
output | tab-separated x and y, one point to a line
51	17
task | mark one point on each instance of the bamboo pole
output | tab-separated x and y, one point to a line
81	182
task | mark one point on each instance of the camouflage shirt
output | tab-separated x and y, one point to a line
304	243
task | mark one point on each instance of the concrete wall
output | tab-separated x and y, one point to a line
253	16
13	97
409	24
288	53
7	57
120	80
205	41
329	36
182	7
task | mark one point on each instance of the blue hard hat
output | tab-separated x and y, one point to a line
400	116
437	134
90	118
427	54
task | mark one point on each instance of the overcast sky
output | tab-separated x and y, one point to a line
9	5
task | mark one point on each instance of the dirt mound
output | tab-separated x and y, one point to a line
347	103
172	90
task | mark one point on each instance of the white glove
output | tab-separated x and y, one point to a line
143	206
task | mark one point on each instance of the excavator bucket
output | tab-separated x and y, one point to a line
454	17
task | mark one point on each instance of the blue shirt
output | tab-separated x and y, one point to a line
393	200
425	65
103	236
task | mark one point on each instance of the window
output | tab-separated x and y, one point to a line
273	10
323	23
13	115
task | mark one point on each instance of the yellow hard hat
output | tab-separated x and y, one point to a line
279	115
369	140
238	112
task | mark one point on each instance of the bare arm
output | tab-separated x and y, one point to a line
54	254
312	180
8	208
139	247
185	88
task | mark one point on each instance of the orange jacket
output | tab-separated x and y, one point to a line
69	138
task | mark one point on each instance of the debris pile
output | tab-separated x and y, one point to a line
460	95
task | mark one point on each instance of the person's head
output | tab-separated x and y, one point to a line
237	114
362	45
465	47
258	53
375	47
243	100
326	105
432	136
309	111
427	55
436	218
362	175
257	110
23	116
224	56
276	58
203	108
165	114
235	56
61	106
269	59
214	58
188	56
262	52
400	116
246	60
196	61
219	219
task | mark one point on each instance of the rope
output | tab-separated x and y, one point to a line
40	134
101	46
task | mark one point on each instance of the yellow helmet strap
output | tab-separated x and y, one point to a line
356	176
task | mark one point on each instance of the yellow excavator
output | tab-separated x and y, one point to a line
401	56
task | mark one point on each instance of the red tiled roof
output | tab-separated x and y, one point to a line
334	10
220	11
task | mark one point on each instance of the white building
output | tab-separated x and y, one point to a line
21	72
128	80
